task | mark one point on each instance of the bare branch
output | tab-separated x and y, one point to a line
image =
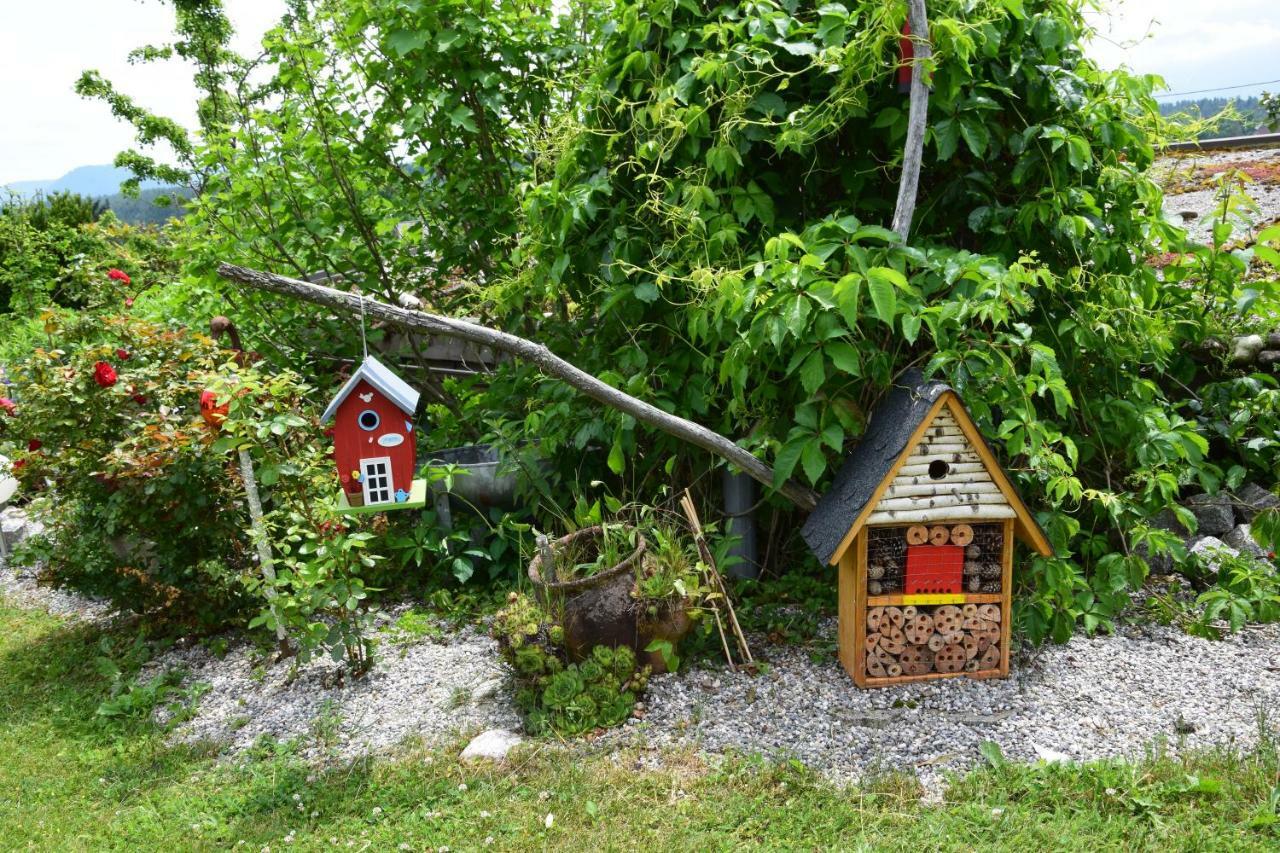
549	362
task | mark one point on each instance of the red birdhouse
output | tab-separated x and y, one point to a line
374	446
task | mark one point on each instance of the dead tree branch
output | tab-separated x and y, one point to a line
549	362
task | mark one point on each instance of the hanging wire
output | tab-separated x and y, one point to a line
364	344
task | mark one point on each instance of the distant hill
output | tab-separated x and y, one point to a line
1250	108
104	182
93	181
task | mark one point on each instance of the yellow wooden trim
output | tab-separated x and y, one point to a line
1027	526
1006	590
897	598
850	629
888	478
935	598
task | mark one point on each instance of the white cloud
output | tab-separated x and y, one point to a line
1193	44
46	129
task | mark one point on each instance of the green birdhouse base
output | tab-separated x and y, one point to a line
417	500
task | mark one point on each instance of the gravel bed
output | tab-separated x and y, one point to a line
1088	699
21	587
1193	210
426	689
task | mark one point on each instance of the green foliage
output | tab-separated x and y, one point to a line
717	200
55	252
1245	590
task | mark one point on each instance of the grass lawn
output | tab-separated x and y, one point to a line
75	780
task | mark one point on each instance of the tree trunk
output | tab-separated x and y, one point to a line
549	362
917	116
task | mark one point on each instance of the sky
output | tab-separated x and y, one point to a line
46	129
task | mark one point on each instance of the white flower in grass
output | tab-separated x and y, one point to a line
485	814
549	820
462	787
488	839
377	811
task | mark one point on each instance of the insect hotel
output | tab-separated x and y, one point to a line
374	444
921	521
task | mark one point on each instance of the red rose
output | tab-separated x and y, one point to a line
122	354
119	275
212	413
104	374
34	444
7	405
19	463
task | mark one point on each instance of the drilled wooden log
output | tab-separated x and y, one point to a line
990	612
893	615
535	353
892	640
950	658
916	660
875	618
919	629
962	534
917	534
947	619
990	658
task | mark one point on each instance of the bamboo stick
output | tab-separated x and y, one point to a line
963	513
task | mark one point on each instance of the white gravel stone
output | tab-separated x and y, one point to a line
492	745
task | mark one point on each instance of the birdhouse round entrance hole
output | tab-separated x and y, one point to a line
938	469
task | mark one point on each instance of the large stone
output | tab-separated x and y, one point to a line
492	745
1162	564
13	528
1215	515
1211	551
1273	340
1241	538
1269	358
1246	348
1252	499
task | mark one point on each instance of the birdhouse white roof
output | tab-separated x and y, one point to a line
380	377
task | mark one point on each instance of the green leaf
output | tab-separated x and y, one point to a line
646	291
848	293
796	313
975	135
461	116
813	460
787	459
990	750
813	372
845	357
617	463
403	42
883	294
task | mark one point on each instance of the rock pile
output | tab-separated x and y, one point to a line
1223	527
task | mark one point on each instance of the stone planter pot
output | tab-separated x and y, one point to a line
672	623
596	610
